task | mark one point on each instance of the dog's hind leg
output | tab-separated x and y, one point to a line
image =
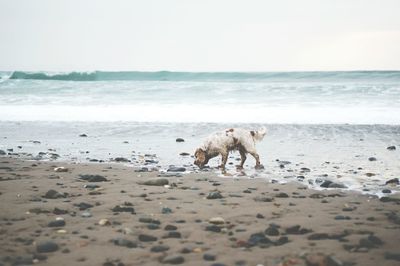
242	157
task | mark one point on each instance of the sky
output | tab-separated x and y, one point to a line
201	35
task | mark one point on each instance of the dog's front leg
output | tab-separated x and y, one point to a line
223	163
242	157
257	157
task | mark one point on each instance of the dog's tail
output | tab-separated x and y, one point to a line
259	134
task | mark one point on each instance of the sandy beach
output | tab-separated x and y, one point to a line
66	217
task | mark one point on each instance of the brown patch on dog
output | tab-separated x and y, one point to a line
252	133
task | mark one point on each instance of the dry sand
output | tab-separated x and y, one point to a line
254	222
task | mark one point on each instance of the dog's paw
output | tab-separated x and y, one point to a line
239	167
259	167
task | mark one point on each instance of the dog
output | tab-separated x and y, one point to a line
221	143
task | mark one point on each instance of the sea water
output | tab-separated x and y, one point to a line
329	122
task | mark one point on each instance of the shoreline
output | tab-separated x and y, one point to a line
249	222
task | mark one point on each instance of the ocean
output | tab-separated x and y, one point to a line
319	120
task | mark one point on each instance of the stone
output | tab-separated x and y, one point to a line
386	191
214	195
209	257
392	256
173	259
104	222
272	231
2	152
318	236
166	210
46	246
60	169
282	195
121	160
120	208
176	169
213	228
330	184
216	220
93	178
147	238
258	239
180	140
372	159
297	230
86	214
124	243
149	220
159	248
184	154
173	234
155	182
394	181
53	194
263	199
342	217
282	240
170	227
391	148
83	135
56	223
83	206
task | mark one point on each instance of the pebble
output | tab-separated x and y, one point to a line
180	140
104	222
394	181
176	169
173	259
60	169
216	220
272	231
173	234
155	182
170	227
86	214
120	208
214	195
93	178
372	159
159	248
56	223
124	243
392	256
46	246
83	206
391	148
213	228
147	238
53	194
209	257
166	210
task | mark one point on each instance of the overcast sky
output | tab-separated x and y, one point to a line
188	35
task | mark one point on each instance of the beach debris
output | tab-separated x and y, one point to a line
155	182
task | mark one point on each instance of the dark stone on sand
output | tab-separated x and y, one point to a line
317	196
153	226
394	181
159	248
83	135
391	148
214	195
149	220
37	210
297	230
170	227
120	208
260	216
392	256
58	211
52	194
121	160
209	257
386	191
93	178
176	169
173	234
155	182
2	152
184	154
330	184
282	195
258	239
173	259
318	236
263	199
56	223
166	210
389	199
394	217
372	159
124	243
147	238
46	246
342	217
272	231
180	140
83	206
213	228
282	240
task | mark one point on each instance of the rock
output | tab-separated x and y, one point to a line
60	169
180	140
155	182
272	231
58	211
104	222
213	228
52	194
394	181
342	217
318	236
173	234
209	257
93	178
176	169
386	191
263	199
166	210
121	160
147	238
258	239
120	208
83	135
282	240
159	248
330	184
173	259
214	195
216	220
149	220
91	186
260	216
153	226
391	148
46	246
124	243
392	256
170	227
297	230
2	152
282	195
372	159
86	214
56	223
184	154
83	206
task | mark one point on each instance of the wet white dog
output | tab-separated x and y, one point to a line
221	143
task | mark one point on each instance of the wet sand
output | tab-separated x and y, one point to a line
58	218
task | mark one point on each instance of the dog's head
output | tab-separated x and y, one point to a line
200	158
